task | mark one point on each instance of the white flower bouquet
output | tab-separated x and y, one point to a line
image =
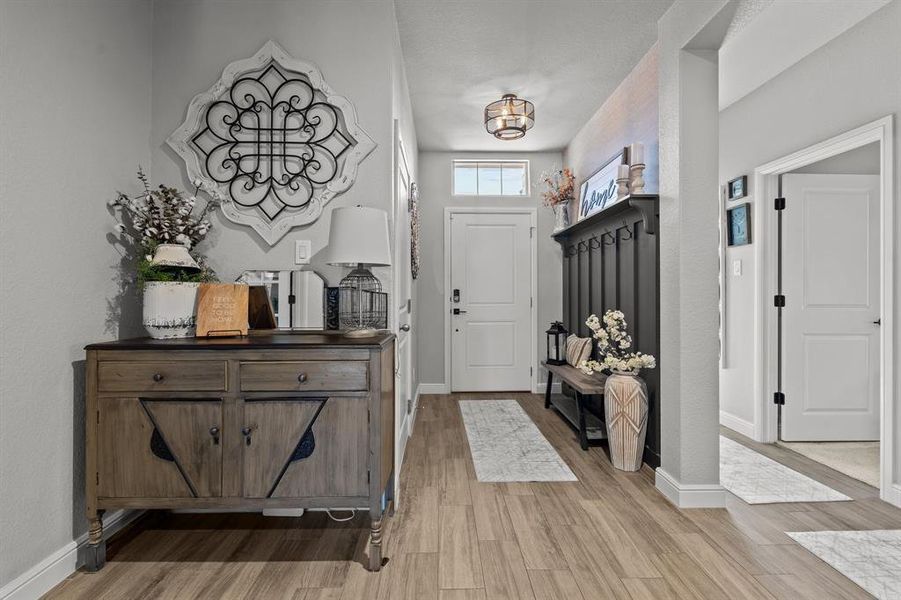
613	344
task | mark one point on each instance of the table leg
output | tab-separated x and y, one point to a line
547	392
375	545
583	431
95	552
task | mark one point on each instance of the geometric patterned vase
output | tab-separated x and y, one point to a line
626	412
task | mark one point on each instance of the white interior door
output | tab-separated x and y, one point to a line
402	306
490	321
831	319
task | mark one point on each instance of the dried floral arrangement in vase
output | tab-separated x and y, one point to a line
625	394
160	227
560	191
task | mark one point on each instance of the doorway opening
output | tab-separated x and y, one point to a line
490	290
823	324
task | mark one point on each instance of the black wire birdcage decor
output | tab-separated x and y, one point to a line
361	303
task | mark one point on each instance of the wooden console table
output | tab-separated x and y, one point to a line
299	420
591	429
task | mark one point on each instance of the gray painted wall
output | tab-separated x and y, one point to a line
628	115
860	161
852	80
74	125
435	170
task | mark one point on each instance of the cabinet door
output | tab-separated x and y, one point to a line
156	448
306	447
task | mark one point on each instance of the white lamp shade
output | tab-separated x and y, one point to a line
359	234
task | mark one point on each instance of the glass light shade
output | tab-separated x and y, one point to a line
359	235
509	118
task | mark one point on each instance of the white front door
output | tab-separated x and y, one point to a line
830	326
490	328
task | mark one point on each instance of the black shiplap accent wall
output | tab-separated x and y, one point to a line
611	260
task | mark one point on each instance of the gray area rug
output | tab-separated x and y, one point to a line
506	445
757	479
871	559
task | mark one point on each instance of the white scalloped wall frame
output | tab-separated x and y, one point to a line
274	139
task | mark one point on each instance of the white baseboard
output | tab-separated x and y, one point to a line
746	428
541	387
892	495
42	577
689	495
434	388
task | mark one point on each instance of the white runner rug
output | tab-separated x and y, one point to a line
871	559
507	446
757	479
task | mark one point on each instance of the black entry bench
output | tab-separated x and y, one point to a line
591	429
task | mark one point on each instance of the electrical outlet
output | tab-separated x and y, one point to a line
303	251
736	268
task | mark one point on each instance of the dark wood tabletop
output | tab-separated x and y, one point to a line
256	340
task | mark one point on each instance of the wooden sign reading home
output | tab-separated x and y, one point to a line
222	309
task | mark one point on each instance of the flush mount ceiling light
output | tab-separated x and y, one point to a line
509	118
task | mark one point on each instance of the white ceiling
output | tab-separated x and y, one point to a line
566	56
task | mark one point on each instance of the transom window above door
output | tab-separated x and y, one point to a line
491	178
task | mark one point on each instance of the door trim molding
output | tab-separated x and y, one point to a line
533	286
765	338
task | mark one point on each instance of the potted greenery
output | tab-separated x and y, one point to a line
625	393
160	227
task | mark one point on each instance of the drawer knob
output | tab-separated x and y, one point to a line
214	432
246	431
157	377
302	377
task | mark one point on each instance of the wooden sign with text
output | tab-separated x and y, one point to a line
222	309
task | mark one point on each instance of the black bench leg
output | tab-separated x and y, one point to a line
547	392
583	431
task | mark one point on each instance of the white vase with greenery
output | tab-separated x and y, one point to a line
159	227
625	393
558	194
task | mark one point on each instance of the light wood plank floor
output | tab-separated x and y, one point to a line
609	535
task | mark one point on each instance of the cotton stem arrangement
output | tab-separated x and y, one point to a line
614	347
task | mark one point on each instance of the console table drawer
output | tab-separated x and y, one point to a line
182	376
331	376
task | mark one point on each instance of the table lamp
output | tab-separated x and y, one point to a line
358	238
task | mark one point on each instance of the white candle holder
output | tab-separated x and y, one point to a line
636	184
622	188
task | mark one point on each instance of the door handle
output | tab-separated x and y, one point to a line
878	321
457	311
246	431
214	432
405	327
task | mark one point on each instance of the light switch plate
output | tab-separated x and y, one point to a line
303	250
736	268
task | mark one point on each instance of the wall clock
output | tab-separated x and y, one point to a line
275	140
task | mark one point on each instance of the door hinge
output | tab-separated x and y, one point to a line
97	477
98	417
531	371
367	476
779	398
292	299
779	301
531	302
779	204
531	231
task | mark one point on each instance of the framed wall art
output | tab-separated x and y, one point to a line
738	225
737	188
600	189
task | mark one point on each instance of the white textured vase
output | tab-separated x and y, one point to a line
561	216
170	309
626	412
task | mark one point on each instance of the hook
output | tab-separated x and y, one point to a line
594	243
612	238
583	246
629	231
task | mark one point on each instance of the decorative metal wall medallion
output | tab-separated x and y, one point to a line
275	140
